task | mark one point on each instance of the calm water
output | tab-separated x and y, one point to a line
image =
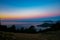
24	24
21	23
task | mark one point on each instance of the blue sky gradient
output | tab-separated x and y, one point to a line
30	10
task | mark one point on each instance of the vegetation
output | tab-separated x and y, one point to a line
51	35
7	36
11	33
31	29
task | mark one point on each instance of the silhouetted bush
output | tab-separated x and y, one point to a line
22	29
40	31
12	28
56	26
17	31
3	28
31	29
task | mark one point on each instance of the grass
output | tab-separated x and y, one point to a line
52	35
7	36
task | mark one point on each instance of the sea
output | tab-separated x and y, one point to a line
18	25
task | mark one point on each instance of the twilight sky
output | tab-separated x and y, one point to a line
29	10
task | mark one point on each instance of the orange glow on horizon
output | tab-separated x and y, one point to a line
26	16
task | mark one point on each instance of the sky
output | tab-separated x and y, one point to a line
29	10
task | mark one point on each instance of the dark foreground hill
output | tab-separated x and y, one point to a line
51	35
